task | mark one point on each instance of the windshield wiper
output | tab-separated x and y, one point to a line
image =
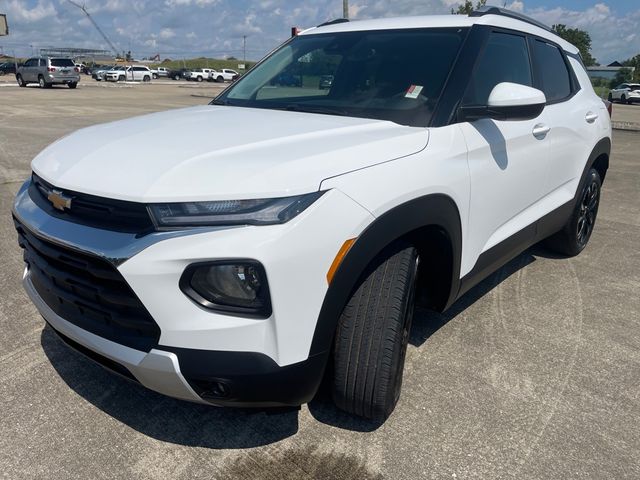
315	109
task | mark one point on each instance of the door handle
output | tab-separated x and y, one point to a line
591	117
540	131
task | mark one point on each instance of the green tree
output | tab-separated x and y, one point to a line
635	63
580	38
622	75
467	7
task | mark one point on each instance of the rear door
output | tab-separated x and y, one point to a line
507	159
573	116
28	70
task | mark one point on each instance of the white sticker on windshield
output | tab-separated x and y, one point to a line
414	91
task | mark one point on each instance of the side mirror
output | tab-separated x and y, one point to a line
508	101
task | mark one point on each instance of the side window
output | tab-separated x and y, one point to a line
554	77
28	63
505	59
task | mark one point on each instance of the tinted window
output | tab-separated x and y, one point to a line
554	77
386	74
505	59
62	62
30	63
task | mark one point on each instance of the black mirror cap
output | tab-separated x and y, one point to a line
510	113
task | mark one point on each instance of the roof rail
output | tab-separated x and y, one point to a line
488	10
333	22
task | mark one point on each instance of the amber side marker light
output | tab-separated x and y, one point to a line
346	246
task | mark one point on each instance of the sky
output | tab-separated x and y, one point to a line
216	28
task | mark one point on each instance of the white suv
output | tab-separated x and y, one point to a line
224	75
293	235
625	93
132	73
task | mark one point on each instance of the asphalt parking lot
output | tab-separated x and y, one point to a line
535	373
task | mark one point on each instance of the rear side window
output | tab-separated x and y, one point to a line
62	62
553	74
505	59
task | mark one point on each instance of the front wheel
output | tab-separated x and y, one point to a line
610	97
42	82
176	77
372	335
155	76
199	79
121	78
575	235
146	78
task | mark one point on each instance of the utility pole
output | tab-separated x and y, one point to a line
345	8
244	49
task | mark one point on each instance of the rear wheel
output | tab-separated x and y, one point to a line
155	76
575	235
610	97
72	85
623	98
220	79
372	335
176	77
199	78
21	82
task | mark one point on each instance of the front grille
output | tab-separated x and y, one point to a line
93	211
88	292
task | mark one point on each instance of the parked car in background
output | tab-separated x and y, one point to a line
135	73
200	74
48	71
160	72
223	75
625	93
7	68
179	74
99	71
286	79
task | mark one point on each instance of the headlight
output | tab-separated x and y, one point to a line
229	286
231	212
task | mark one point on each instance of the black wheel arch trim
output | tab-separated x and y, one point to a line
437	210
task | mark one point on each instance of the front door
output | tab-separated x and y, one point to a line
507	159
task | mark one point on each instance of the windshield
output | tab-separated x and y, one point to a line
395	75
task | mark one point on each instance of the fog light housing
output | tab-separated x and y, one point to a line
235	287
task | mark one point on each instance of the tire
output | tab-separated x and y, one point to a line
176	77
155	76
72	85
21	82
575	235
42	82
610	97
220	79
146	78
623	99
372	335
121	78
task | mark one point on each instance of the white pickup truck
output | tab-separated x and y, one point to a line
224	75
200	74
159	72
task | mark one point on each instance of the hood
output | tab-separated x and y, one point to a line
220	153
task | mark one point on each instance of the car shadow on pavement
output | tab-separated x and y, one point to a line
163	418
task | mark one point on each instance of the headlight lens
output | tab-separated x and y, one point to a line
232	286
231	212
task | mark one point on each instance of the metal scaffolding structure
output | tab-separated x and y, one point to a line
77	53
